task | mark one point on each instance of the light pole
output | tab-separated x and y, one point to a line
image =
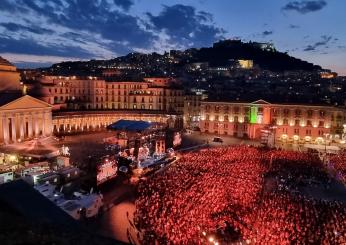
325	146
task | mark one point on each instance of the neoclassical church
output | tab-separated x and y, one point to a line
22	117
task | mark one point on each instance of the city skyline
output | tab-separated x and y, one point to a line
38	33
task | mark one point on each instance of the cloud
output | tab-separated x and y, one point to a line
13	27
34	61
31	47
97	18
294	26
184	25
99	29
124	4
267	33
305	6
323	43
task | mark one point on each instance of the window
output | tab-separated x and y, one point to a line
225	118
285	121
207	117
322	114
308	123
309	113
298	112
286	112
296	122
296	131
321	124
134	106
216	118
225	126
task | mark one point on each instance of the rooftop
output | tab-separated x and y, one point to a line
5	62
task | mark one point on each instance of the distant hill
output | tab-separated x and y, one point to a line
267	59
218	55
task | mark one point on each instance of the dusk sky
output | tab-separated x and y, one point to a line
40	32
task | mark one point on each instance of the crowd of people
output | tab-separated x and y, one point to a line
338	164
238	193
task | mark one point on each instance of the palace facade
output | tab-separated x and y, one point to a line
91	93
303	123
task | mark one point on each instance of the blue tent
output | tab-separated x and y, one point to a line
130	125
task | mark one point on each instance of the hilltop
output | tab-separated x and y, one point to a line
264	56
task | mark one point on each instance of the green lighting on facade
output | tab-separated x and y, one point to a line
253	114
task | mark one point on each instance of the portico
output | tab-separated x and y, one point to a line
24	118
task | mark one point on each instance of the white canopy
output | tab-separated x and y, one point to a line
322	148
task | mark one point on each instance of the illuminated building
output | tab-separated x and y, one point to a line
24	118
245	64
9	76
192	112
21	117
328	74
91	93
303	123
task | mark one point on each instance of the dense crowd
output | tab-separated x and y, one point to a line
238	193
338	164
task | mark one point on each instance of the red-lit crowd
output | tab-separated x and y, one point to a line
338	163
210	194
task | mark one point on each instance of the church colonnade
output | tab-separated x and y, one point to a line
18	126
68	122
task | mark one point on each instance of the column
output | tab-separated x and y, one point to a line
43	123
21	127
5	128
49	121
30	132
14	133
35	121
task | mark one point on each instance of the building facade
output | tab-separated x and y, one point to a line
9	76
92	93
72	122
297	123
24	118
192	110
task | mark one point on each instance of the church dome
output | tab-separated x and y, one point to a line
5	62
5	65
9	76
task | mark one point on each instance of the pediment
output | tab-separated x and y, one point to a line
260	102
25	102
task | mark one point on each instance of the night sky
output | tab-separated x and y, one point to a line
40	32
